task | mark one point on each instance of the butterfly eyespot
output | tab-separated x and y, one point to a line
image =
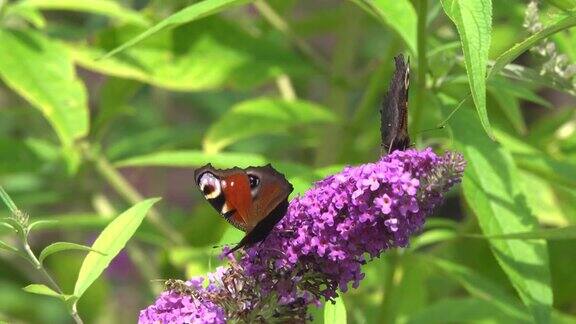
209	185
254	181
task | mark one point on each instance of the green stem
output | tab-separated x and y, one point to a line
393	275
31	257
422	8
286	88
129	193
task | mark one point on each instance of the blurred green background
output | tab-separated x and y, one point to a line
297	84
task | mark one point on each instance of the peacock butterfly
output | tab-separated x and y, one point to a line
254	199
394	111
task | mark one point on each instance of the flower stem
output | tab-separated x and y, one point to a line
31	257
286	88
422	8
393	276
129	193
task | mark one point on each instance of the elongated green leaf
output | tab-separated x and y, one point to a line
107	8
399	15
564	233
194	12
40	289
63	246
29	14
8	200
194	159
42	72
463	310
7	247
511	54
543	202
511	109
335	313
112	239
560	171
473	19
517	90
262	116
480	287
299	175
533	78
432	237
41	223
493	192
563	4
210	53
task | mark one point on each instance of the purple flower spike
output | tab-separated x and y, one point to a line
183	304
320	245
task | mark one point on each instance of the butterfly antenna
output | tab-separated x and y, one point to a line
460	104
439	127
223	245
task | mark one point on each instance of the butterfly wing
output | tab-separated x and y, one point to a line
394	111
273	189
228	192
252	207
270	203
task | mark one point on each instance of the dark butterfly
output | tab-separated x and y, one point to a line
254	199
394	112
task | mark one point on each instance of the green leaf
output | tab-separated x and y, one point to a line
563	4
40	289
211	53
299	175
193	12
41	223
533	78
462	310
519	91
511	109
27	13
549	168
335	313
564	233
194	159
432	237
111	241
263	116
493	192
42	72
63	246
473	19
102	7
399	15
7	247
114	97
544	201
480	287
515	51
8	200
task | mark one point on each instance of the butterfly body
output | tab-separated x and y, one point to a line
394	112
253	200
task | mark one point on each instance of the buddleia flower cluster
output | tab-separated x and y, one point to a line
319	247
